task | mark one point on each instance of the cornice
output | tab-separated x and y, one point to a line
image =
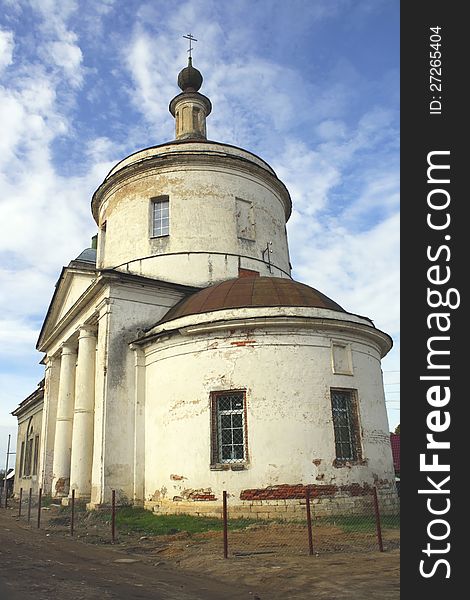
182	159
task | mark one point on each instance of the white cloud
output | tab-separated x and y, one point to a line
58	46
309	176
152	63
358	270
14	388
7	45
67	56
16	337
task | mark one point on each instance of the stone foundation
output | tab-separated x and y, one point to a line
339	502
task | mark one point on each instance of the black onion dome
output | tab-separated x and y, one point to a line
190	79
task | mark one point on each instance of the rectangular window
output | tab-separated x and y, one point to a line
28	457
160	216
36	455
346	425
228	427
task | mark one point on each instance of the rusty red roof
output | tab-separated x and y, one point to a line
249	292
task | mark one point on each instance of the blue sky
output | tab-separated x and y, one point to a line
312	86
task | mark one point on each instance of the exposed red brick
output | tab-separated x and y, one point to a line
177	477
243	343
299	491
202	497
61	485
355	489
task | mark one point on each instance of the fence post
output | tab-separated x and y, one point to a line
113	515
309	522
5	487
224	512
39	507
377	520
21	500
72	513
29	503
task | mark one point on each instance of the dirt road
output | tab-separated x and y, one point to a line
48	564
36	566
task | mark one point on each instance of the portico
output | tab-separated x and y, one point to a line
73	442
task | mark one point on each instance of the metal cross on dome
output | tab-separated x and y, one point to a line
191	39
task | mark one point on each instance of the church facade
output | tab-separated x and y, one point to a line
181	358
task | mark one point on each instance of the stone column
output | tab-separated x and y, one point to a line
104	310
82	438
64	420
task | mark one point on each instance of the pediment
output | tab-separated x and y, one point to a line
74	280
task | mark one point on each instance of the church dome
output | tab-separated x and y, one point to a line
88	255
190	79
244	292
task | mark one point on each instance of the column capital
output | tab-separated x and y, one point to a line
87	331
68	347
49	361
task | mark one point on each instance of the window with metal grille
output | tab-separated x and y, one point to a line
228	418
346	425
160	216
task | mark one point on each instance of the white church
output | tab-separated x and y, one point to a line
181	358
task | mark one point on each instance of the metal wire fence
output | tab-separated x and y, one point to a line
368	525
306	526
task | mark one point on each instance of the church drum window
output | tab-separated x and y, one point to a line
160	225
228	427
346	426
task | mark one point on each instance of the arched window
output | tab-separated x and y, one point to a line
28	456
29	452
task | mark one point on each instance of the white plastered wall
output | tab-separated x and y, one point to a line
287	373
127	311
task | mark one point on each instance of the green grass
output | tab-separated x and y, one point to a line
144	521
359	523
